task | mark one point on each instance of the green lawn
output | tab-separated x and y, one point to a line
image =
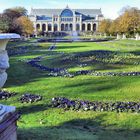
40	122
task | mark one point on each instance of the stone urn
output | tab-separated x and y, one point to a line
4	60
8	115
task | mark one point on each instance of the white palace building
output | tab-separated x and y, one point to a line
65	20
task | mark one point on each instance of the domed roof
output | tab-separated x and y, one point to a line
66	12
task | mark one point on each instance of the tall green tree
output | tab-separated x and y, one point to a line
4	23
15	12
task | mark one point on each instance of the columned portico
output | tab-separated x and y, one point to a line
67	19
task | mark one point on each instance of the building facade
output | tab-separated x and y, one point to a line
65	20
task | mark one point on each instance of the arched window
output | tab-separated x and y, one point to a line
77	27
43	27
83	27
38	26
55	27
71	27
62	27
94	27
89	27
66	13
66	27
49	27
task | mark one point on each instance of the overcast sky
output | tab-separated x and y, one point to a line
110	8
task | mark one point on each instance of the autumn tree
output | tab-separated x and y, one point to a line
130	21
24	25
104	26
114	28
13	14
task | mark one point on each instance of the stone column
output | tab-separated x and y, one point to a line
86	27
80	23
59	24
52	23
74	23
41	27
91	26
46	27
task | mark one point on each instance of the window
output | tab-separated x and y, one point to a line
62	27
83	27
94	27
67	13
55	27
43	27
89	27
77	27
38	26
49	27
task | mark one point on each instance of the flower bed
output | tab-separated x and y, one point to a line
30	98
6	94
67	104
95	73
52	71
63	72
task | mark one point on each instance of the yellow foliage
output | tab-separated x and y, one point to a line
25	24
130	21
104	26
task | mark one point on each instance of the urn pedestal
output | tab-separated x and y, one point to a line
8	115
8	119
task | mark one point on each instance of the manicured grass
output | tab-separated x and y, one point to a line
40	122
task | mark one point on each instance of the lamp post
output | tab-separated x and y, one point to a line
8	116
